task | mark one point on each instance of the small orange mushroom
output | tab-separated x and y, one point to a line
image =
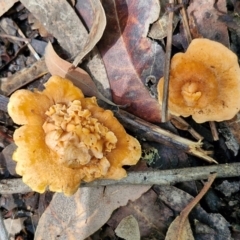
204	82
67	138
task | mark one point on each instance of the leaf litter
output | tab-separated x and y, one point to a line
133	32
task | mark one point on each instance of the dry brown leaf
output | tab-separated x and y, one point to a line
151	214
186	233
204	20
160	27
128	228
59	19
14	226
96	32
133	61
79	216
180	228
80	78
5	5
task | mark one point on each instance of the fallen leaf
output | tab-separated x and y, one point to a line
132	60
96	32
152	215
180	228
14	226
160	27
186	233
80	215
177	200
128	229
79	77
5	5
203	17
59	19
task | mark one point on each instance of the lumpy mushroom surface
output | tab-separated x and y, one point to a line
67	138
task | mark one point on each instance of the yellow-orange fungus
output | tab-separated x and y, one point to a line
204	82
67	138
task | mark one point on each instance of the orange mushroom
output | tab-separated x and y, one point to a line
67	138
204	82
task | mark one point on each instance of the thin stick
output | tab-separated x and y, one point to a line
167	65
159	177
154	133
185	22
28	44
192	131
214	130
185	212
15	38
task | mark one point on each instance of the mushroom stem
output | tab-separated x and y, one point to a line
154	133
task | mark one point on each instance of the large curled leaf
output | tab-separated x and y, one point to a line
133	62
79	77
79	216
97	28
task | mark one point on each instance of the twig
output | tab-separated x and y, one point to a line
164	114
28	44
23	77
185	212
3	230
154	133
188	128
185	22
214	130
160	177
15	38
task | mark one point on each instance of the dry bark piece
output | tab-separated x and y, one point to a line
204	83
23	77
76	139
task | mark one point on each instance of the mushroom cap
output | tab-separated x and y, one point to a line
204	82
57	124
